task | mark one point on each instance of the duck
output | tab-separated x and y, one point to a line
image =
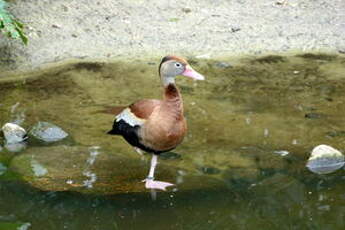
156	126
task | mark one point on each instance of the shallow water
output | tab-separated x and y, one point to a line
252	125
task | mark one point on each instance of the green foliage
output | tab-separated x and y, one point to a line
10	26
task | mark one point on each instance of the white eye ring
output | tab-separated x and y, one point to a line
178	65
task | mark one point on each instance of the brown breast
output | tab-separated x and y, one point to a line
163	132
166	126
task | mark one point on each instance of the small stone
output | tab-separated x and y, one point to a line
48	132
56	26
209	170
13	133
281	2
313	115
325	159
223	65
235	29
186	10
282	152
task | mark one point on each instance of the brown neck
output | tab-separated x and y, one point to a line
173	101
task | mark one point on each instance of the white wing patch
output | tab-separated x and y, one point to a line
129	118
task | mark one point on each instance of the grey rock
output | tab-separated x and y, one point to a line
48	132
96	170
325	159
13	133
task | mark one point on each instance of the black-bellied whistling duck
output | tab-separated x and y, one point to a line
157	126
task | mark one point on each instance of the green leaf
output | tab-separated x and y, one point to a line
18	24
174	19
10	26
22	36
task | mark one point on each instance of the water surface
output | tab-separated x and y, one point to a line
252	125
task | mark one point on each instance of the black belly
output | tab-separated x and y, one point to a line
130	134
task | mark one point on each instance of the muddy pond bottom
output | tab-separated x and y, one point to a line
252	126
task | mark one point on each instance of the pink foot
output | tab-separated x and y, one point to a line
155	184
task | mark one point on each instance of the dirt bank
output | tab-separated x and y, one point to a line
138	29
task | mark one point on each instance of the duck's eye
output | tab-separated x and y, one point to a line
178	65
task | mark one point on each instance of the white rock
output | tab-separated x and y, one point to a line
325	159
13	133
324	150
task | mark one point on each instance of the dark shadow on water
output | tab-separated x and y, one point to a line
279	202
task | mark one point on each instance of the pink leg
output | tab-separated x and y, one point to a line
150	183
